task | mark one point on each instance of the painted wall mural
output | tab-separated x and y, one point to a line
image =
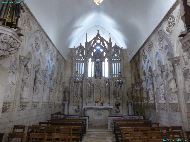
34	87
162	63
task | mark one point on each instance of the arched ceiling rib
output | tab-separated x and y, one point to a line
93	22
134	19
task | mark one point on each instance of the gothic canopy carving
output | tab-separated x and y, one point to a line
98	54
10	42
96	45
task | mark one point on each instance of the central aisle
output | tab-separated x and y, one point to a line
96	135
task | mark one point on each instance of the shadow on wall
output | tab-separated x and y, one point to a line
1	136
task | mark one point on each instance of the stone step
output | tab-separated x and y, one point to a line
99	130
99	135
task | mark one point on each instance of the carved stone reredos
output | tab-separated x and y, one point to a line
10	42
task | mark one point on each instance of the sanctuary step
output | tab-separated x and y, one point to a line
99	135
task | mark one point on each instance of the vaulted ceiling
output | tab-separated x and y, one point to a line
128	22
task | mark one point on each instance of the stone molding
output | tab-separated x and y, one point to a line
10	42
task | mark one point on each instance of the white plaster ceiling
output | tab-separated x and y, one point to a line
129	22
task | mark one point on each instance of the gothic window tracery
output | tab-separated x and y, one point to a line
98	58
79	60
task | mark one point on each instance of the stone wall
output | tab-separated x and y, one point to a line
158	71
31	80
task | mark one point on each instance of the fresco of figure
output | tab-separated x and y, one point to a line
171	82
37	80
25	62
159	77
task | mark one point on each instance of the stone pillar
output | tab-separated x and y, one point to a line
181	98
185	75
3	76
10	42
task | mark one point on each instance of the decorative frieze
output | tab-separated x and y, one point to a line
23	106
162	107
10	42
171	22
6	107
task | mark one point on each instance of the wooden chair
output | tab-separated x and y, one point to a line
17	133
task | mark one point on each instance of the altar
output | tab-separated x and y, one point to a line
98	116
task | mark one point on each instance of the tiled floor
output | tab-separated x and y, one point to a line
99	136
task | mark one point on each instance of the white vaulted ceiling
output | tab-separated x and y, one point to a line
129	22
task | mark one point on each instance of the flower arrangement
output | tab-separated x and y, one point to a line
99	100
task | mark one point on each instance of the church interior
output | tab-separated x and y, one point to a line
95	70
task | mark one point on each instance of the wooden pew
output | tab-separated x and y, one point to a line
78	126
77	129
61	137
71	122
119	124
59	128
150	134
72	133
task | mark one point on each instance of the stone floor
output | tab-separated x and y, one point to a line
96	135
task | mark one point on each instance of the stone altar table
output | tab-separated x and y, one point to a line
98	116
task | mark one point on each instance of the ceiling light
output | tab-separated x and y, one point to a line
98	2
